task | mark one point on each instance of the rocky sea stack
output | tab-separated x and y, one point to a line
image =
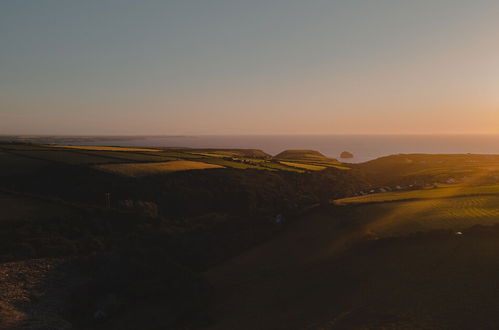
346	154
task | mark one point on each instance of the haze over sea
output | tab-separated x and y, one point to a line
364	147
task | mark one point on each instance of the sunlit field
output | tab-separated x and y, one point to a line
146	169
88	156
104	148
448	191
132	156
458	213
448	208
304	166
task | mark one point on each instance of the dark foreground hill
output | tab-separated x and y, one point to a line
323	274
136	244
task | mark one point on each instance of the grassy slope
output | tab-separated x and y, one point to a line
419	168
250	153
132	156
311	277
308	159
68	157
326	272
301	154
16	207
451	208
304	166
103	148
11	164
448	191
238	159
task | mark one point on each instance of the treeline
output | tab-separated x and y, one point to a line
191	193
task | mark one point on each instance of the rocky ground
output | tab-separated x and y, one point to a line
33	293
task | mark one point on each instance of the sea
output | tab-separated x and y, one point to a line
363	147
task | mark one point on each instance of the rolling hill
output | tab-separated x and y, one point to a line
402	263
310	155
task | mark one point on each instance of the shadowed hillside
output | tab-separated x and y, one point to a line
245	242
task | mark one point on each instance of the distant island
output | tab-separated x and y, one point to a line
346	154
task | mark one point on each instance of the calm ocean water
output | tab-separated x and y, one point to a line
364	147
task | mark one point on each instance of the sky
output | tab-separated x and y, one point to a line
249	67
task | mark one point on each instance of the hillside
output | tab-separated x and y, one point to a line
189	238
253	153
140	225
383	265
301	154
309	160
421	169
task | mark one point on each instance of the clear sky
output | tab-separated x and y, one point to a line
249	66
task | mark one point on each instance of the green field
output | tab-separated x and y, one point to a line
309	160
432	168
237	158
281	167
340	278
309	167
131	156
234	164
104	148
448	208
238	153
179	154
211	154
458	213
146	169
441	192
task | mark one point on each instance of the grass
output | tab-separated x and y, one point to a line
280	167
146	169
447	208
179	154
258	164
239	153
458	213
104	148
94	155
13	146
442	192
16	165
132	156
310	160
309	167
311	155
219	154
234	164
394	169
16	208
339	167
339	280
62	156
